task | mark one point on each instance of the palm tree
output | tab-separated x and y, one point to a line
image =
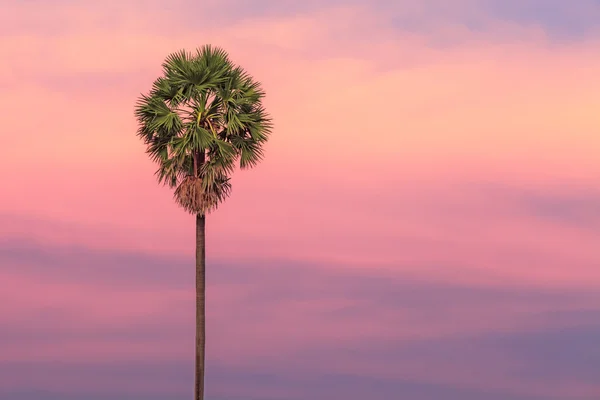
201	118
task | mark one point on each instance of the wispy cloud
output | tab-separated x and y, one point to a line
78	307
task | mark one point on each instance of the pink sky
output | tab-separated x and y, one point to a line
427	215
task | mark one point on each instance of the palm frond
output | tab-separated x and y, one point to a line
203	116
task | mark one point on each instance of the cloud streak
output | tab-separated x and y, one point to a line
83	308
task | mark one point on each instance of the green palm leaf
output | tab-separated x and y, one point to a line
202	118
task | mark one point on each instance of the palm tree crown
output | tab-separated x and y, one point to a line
201	118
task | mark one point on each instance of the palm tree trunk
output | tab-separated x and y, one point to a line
200	306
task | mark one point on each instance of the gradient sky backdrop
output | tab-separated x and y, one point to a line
425	226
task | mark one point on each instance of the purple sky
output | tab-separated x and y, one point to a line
425	225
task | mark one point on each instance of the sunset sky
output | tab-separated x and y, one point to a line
425	225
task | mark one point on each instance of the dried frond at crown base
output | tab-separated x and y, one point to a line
194	198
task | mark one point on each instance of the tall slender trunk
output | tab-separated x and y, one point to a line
200	306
